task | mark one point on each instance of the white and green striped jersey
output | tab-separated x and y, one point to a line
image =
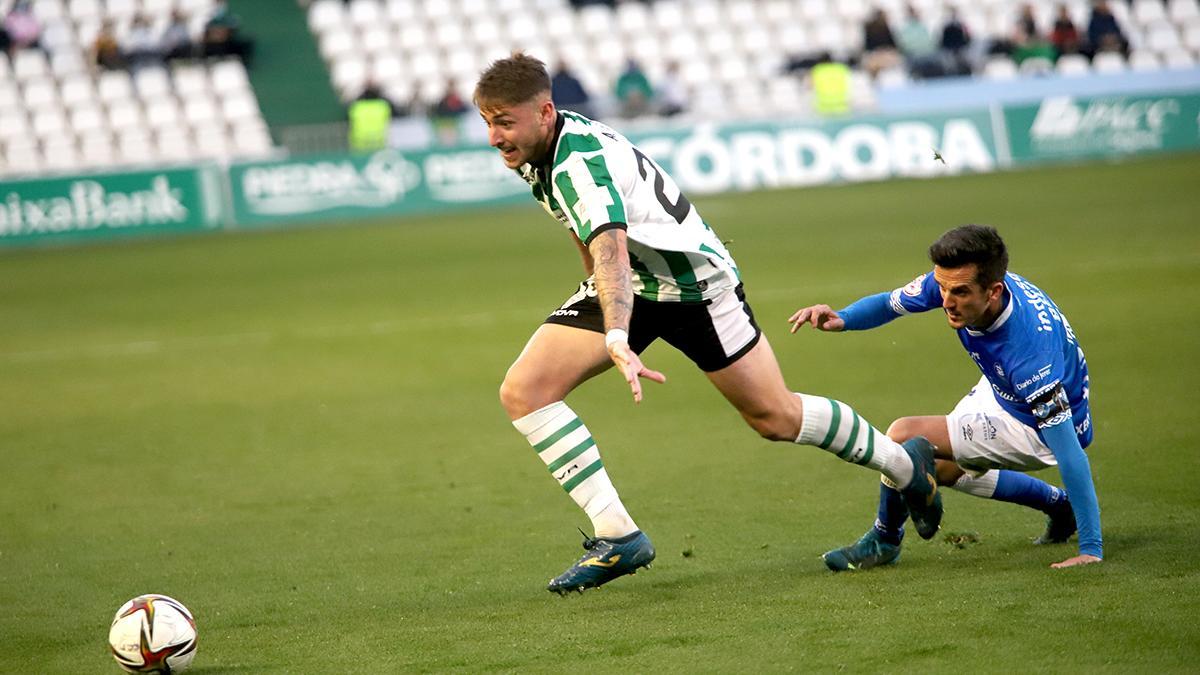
595	180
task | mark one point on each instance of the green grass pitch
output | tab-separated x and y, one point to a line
297	434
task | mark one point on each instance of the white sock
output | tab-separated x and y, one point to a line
566	446
836	427
980	486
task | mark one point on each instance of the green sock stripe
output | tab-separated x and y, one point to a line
572	454
583	475
558	435
849	449
833	425
871	431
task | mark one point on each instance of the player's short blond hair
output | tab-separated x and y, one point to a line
516	79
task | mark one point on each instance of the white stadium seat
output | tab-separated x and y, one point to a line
46	11
1178	59
1183	11
364	13
88	119
1146	12
999	68
163	114
115	85
60	154
326	15
200	111
29	64
229	76
49	123
40	95
1073	65
81	10
1108	62
125	115
1143	60
190	80
152	83
240	108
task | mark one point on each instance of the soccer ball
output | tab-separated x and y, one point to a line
153	634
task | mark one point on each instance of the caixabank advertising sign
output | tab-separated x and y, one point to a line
98	206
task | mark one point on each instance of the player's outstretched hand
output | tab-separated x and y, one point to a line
1076	561
632	368
822	317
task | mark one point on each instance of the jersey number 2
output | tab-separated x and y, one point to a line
679	210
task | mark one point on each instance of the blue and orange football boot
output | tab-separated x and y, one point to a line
605	560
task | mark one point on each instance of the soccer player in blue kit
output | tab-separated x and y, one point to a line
1028	411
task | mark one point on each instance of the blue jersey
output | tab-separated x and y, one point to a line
1027	351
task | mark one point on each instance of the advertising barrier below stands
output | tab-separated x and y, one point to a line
703	159
1067	128
103	205
708	159
384	183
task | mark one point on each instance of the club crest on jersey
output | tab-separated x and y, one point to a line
913	289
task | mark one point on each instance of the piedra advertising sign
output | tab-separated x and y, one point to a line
1067	127
383	183
105	205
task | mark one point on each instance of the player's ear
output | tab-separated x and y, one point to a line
996	291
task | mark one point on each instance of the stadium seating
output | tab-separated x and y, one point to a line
726	49
59	114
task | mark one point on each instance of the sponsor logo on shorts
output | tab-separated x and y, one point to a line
989	430
565	312
968	433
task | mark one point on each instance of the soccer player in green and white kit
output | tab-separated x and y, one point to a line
655	269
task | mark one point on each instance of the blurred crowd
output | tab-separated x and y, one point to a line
952	50
142	44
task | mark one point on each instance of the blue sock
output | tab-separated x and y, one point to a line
892	514
1023	489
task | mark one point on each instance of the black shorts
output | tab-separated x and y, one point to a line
713	333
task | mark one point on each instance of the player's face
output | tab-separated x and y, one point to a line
521	131
965	302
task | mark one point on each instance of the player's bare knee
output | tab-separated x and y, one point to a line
903	429
515	397
772	426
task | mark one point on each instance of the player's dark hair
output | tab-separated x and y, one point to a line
516	79
978	244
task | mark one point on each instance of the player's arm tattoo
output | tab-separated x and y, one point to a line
614	277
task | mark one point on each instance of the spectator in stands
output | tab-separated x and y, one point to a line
106	51
22	27
879	45
1065	36
141	45
829	80
5	42
176	40
568	92
633	91
448	112
370	119
672	94
223	35
1104	33
956	39
918	47
1028	42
